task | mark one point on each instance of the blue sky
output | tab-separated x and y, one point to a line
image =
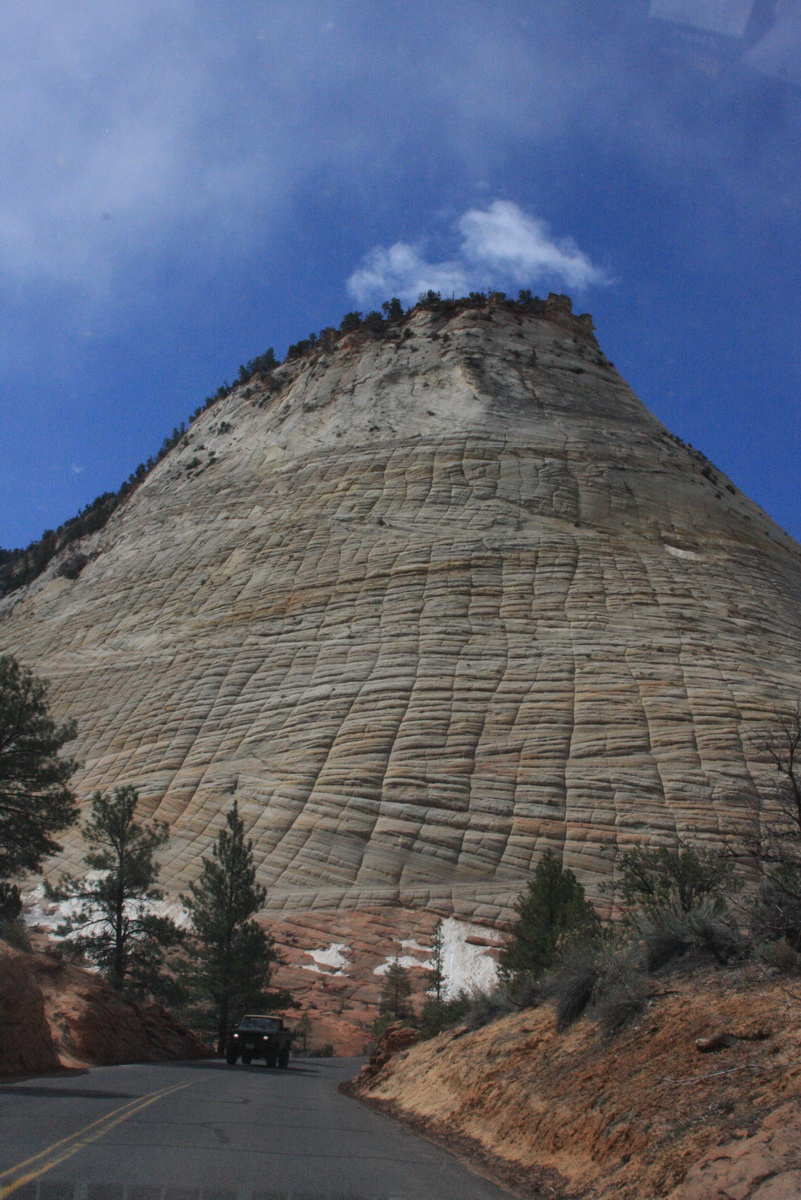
187	182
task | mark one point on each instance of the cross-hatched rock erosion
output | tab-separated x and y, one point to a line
425	603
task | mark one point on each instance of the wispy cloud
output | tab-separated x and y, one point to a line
402	270
499	245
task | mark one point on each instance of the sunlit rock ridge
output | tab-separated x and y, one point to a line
425	604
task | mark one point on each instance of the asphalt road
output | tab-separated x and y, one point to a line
207	1131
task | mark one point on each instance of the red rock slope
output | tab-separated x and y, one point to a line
53	1014
645	1116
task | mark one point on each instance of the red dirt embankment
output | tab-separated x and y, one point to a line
699	1100
54	1014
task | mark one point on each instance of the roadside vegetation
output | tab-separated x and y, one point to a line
229	955
36	801
112	907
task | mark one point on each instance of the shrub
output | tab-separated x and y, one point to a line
608	981
525	990
780	955
374	322
669	932
621	992
325	1050
775	910
552	913
392	309
443	1014
486	1005
10	901
574	983
15	933
72	566
677	878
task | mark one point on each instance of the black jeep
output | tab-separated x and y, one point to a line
259	1037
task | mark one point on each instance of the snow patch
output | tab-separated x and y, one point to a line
50	913
333	957
467	967
464	966
677	552
403	960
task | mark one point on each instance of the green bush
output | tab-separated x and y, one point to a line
15	933
486	1005
607	981
670	932
10	901
551	914
678	878
438	1015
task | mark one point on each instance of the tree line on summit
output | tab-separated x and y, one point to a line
730	903
21	566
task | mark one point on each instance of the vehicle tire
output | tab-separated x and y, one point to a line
283	1059
247	1058
231	1057
271	1060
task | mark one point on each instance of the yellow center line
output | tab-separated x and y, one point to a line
63	1149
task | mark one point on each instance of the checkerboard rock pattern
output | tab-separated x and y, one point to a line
425	604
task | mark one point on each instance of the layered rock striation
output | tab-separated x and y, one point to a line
425	603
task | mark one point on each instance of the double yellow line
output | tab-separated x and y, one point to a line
59	1152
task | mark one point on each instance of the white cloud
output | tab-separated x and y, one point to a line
499	245
520	247
402	271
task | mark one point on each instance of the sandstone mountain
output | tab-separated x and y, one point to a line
425	601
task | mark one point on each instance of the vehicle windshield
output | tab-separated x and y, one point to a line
261	1023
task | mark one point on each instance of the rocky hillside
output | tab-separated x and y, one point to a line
54	1015
425	601
701	1100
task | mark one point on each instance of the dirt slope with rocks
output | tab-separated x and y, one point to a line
647	1115
54	1015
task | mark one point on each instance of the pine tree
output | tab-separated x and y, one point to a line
436	972
677	878
302	1034
394	998
230	956
550	914
35	798
115	924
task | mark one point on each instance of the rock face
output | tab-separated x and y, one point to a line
425	603
54	1014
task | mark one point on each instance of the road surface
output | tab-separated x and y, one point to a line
207	1131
